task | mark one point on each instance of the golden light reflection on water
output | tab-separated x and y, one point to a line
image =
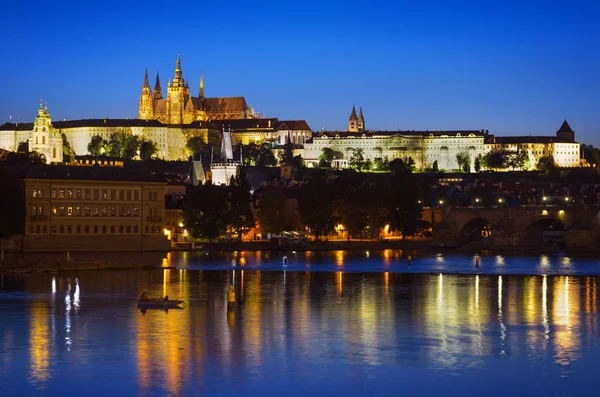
39	344
339	258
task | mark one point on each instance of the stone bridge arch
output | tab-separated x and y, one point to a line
544	230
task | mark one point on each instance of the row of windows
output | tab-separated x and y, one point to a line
95	194
121	229
96	211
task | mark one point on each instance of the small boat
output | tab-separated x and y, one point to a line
159	303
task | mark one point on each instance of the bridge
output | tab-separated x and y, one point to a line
506	227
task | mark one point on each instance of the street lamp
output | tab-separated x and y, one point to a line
544	198
500	200
567	199
441	202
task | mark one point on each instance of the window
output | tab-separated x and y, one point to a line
113	194
62	228
61	193
128	211
61	211
112	229
34	193
69	211
95	228
129	195
121	195
136	195
103	228
96	194
96	211
113	210
146	229
69	193
78	194
104	211
45	229
53	228
121	211
135	228
77	211
69	229
37	229
86	210
104	194
136	211
31	229
120	228
128	229
53	193
87	194
87	228
78	228
34	212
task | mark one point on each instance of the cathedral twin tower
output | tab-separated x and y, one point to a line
181	108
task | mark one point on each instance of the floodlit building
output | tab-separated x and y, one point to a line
93	208
562	147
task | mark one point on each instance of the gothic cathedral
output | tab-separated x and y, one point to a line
181	108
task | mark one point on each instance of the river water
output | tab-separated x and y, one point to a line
348	323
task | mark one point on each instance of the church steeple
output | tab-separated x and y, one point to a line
146	83
157	89
353	121
201	90
178	79
146	108
361	121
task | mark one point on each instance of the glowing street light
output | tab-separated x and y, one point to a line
441	202
477	200
500	200
544	198
567	198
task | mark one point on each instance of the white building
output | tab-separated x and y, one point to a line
424	147
562	147
226	167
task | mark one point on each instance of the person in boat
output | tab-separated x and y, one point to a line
144	297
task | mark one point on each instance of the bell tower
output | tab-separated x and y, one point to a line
146	110
178	93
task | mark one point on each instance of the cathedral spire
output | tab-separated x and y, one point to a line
201	91
146	83
157	89
178	67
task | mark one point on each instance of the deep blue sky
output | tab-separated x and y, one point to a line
512	67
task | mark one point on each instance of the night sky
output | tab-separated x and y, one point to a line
512	67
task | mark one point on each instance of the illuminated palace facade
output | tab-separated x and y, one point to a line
428	147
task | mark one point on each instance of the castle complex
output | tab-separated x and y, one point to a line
171	121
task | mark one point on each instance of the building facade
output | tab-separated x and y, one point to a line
87	208
423	147
562	147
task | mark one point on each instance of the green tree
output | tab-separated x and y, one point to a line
357	159
12	204
404	211
380	164
97	145
316	205
435	167
258	154
494	160
477	165
195	146
270	210
464	162
546	163
204	211
148	149
67	150
326	157
239	213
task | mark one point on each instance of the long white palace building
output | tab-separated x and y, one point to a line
424	147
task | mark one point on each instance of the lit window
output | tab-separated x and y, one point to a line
53	194
86	211
105	195
69	193
61	193
34	193
69	211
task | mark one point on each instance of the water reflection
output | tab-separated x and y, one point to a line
286	323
